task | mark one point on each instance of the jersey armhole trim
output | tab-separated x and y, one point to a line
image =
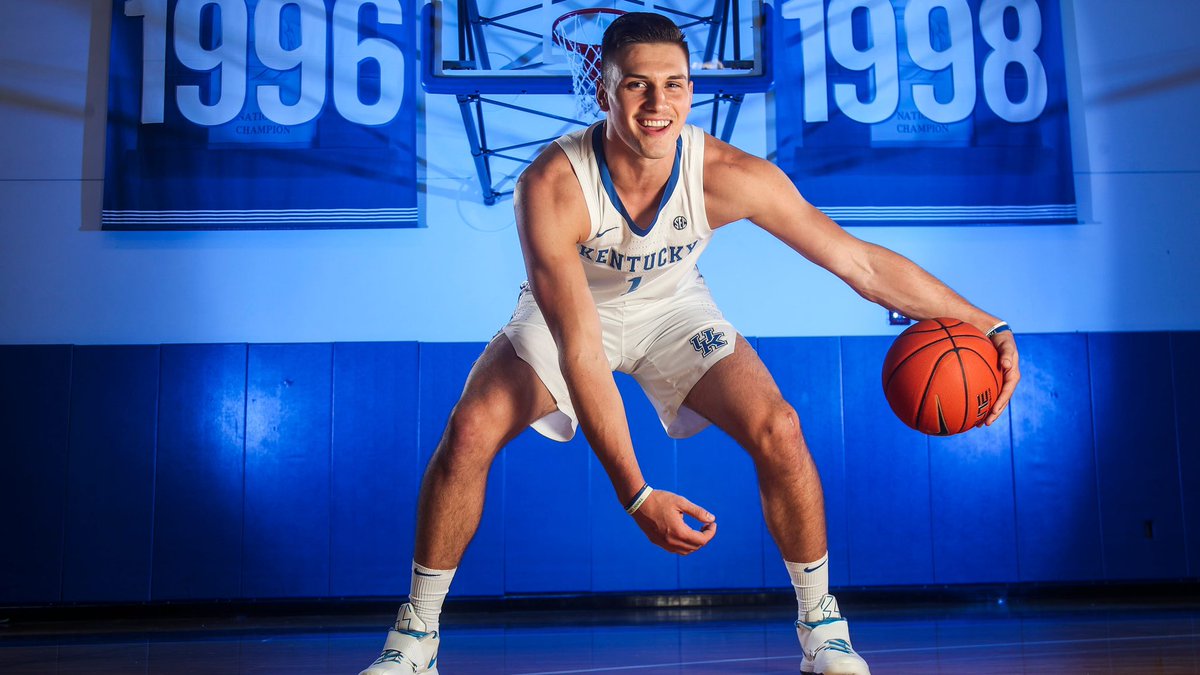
570	145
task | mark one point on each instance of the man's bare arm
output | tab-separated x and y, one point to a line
739	185
552	221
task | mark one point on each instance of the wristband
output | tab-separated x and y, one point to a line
639	499
998	328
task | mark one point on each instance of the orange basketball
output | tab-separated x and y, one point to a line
941	376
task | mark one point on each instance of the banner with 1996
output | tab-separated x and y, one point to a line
925	111
244	114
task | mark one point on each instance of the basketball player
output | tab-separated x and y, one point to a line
611	221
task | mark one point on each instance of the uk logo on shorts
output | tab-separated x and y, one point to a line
708	341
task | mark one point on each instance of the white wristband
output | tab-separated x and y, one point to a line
639	499
998	328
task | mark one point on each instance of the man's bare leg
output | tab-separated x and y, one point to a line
503	395
739	395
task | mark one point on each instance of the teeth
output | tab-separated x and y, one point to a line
657	124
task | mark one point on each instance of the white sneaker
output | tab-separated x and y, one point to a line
825	639
409	648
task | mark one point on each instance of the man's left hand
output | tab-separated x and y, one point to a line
1006	345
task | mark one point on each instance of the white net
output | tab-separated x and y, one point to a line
580	33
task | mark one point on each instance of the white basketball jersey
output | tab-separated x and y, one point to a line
623	261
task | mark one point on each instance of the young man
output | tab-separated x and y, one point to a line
612	220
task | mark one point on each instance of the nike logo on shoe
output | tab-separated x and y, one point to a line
393	656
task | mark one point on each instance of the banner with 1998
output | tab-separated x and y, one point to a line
925	111
248	114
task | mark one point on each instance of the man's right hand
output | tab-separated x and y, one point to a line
661	518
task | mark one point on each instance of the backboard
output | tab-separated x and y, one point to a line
505	46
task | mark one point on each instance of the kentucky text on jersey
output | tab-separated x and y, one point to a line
667	255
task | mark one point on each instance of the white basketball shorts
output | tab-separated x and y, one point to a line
666	344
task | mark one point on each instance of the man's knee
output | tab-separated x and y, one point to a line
776	438
472	439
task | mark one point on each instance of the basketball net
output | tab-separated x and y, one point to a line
580	34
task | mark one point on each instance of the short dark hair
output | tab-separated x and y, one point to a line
639	28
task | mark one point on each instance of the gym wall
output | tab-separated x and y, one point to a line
199	415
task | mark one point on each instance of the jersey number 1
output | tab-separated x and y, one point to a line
633	284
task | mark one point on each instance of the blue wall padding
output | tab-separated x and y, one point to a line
718	475
288	415
974	528
110	474
809	374
1185	351
887	477
198	472
374	472
715	472
1054	462
622	558
34	405
546	526
273	471
444	368
1137	456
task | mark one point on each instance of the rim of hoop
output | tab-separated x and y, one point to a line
569	44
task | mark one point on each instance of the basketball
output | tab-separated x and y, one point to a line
941	376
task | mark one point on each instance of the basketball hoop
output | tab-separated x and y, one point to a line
580	33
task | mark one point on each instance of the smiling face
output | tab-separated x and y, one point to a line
647	95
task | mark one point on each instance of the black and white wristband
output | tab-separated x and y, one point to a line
998	328
639	499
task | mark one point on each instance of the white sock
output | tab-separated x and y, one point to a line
811	581
429	589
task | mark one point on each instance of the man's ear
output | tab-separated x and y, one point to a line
602	95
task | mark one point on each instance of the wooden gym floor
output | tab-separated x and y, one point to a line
1079	637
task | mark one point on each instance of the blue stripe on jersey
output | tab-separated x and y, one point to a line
606	178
